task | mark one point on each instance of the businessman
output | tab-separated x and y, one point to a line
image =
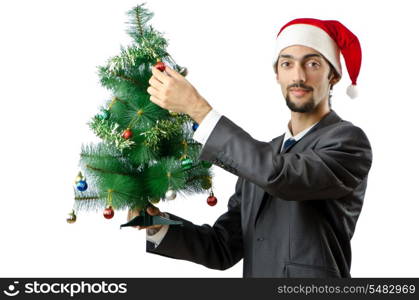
298	197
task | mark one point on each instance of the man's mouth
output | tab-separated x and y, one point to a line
299	92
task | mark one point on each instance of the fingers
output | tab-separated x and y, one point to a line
132	214
163	78
155	96
157	101
154	82
153	91
152	210
148	227
172	72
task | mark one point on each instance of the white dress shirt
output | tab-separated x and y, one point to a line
157	237
297	137
201	135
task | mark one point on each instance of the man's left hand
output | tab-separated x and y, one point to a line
172	91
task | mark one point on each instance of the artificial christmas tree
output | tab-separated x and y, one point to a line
146	153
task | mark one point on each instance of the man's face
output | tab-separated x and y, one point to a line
303	73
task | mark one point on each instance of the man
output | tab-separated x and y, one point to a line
298	197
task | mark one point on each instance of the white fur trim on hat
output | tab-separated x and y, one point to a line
309	36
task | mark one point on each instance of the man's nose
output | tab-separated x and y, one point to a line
299	74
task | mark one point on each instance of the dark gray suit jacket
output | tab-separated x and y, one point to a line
293	213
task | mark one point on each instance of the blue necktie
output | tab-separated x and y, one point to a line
288	143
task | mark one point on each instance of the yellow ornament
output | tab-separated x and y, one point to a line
71	217
206	183
155	200
78	178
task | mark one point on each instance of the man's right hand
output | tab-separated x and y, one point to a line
151	210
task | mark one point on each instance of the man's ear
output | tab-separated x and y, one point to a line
334	80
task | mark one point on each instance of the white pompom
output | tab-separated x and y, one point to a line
170	194
352	91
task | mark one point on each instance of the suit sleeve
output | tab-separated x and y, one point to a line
331	169
217	247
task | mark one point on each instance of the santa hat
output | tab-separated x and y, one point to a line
330	38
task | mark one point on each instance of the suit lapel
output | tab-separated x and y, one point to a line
329	119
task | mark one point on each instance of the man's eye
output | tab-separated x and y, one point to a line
313	64
285	64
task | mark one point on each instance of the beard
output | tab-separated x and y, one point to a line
309	106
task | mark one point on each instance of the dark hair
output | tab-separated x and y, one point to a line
332	74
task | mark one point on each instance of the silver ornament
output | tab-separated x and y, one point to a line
170	195
183	71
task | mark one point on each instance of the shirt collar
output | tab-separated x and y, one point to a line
300	135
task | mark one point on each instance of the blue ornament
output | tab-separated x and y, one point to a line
81	185
195	126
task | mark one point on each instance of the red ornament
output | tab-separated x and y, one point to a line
108	212
127	134
160	66
212	200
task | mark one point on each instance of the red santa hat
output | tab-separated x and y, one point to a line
330	38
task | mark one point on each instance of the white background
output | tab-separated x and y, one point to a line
49	90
